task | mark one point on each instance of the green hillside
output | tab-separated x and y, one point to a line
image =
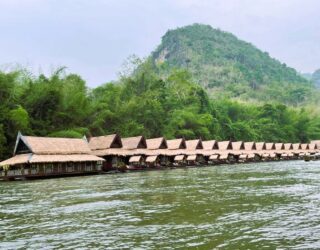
222	63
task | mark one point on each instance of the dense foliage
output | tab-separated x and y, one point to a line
62	105
229	67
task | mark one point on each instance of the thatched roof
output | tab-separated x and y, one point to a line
169	152
152	158
288	146
136	158
313	146
317	142
110	151
279	146
33	158
176	144
63	158
134	142
105	142
270	146
203	152
210	145
224	145
250	146
16	160
194	144
296	146
31	149
304	146
144	151
50	146
238	145
223	156
260	146
179	157
157	143
150	152
213	157
191	157
126	152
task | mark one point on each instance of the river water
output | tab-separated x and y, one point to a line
249	206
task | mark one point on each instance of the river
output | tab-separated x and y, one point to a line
248	206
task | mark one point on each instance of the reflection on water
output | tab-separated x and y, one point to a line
252	206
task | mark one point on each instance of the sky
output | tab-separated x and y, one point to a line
93	38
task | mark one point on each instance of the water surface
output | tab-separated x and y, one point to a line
250	206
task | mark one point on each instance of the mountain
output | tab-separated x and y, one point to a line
228	66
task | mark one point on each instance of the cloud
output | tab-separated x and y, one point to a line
93	38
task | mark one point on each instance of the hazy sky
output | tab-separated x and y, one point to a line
94	37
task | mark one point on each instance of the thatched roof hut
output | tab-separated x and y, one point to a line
156	143
31	149
304	146
194	144
176	144
210	145
50	145
224	145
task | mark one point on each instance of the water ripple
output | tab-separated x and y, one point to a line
249	206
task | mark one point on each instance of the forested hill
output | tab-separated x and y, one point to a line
222	63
